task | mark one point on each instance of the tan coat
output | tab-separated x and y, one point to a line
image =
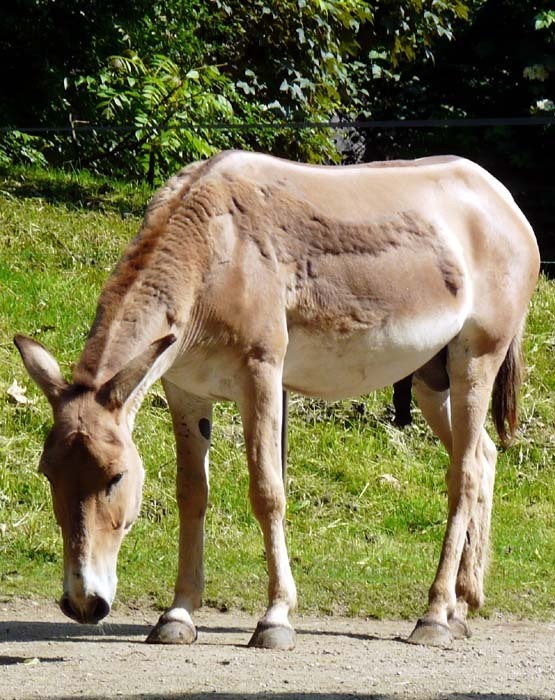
251	273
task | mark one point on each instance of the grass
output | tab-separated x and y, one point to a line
360	543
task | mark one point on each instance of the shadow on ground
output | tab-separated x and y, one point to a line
37	631
67	631
64	189
305	696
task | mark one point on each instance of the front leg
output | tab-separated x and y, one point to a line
261	412
192	423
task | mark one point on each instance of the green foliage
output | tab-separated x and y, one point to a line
19	148
161	65
220	81
406	32
299	68
544	66
44	42
158	99
367	502
545	19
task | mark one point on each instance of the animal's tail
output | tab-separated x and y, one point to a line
506	389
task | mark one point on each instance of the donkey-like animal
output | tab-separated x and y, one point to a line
250	274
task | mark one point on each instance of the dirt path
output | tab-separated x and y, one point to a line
44	655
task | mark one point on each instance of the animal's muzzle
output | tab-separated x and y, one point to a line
91	611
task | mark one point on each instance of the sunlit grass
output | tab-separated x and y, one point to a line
367	502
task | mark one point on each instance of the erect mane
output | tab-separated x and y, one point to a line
138	300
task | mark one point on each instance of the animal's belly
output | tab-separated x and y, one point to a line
327	364
332	366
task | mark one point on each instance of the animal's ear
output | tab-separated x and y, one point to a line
117	390
41	366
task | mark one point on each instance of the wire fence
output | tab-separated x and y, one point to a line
76	127
80	127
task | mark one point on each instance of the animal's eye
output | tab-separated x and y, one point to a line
113	481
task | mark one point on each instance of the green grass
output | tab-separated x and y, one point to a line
358	544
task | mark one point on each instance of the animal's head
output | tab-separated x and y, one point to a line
94	470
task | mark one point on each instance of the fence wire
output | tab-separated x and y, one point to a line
75	128
363	125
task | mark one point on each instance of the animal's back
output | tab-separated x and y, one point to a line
354	261
376	263
441	202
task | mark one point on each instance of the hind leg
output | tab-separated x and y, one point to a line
470	577
435	406
436	409
469	487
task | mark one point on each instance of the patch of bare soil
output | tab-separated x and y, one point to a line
42	654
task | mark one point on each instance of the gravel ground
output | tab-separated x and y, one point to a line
42	654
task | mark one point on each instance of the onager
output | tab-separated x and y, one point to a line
251	274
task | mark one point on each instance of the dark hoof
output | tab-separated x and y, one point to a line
459	628
431	634
273	637
172	632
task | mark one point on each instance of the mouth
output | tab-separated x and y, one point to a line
94	610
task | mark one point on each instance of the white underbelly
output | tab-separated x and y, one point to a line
332	366
327	365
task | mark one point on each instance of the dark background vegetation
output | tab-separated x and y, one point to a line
116	86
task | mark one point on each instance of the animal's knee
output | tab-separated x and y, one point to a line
192	494
463	483
267	497
471	479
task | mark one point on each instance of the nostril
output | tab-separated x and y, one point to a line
68	609
99	609
95	609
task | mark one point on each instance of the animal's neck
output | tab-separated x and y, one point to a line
153	289
111	345
146	298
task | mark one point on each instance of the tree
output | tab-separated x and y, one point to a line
158	65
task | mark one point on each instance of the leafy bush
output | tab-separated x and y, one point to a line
143	70
19	148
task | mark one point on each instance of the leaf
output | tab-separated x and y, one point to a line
246	88
390	480
16	394
544	19
536	72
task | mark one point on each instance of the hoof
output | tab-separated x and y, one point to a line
432	634
459	628
273	637
172	632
